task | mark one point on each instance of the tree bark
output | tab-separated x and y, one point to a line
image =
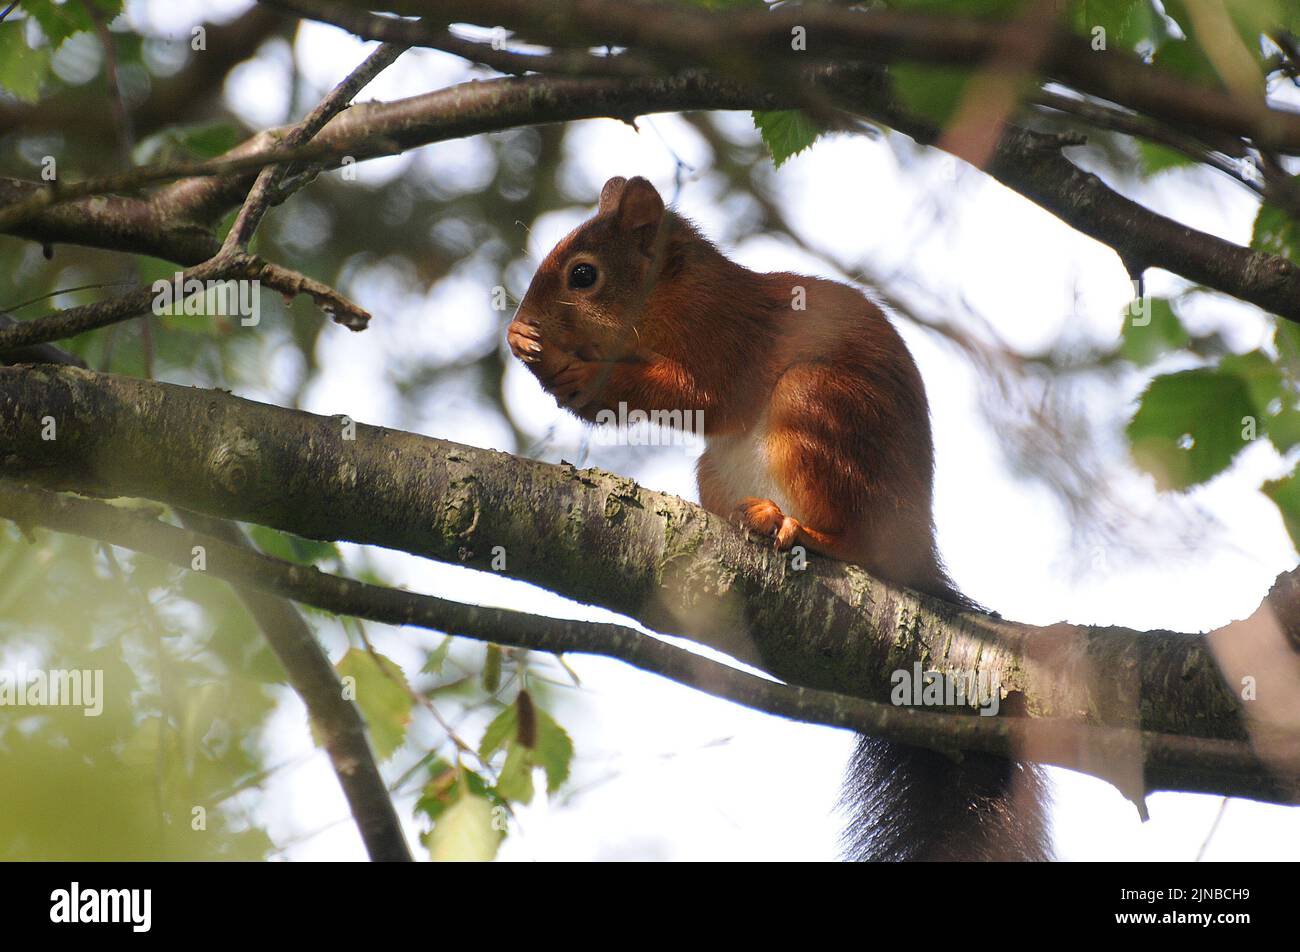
599	538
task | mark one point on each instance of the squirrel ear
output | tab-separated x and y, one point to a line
611	193
640	211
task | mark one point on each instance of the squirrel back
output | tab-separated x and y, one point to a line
818	434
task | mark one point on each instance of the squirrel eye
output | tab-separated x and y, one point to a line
582	276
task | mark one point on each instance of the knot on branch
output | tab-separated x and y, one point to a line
231	460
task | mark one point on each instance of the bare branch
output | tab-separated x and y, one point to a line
600	538
1103	752
85	317
268	180
168	223
339	724
559	62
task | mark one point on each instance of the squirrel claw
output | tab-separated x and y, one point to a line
525	339
765	518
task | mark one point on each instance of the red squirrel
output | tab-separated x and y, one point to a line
818	434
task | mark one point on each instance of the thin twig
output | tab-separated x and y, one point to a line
259	196
85	317
559	61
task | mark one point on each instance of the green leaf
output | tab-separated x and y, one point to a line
382	695
786	132
441	790
499	732
516	779
437	658
931	92
449	786
1186	59
194	142
465	832
551	749
22	69
554	750
1158	158
1284	429
1188	428
1276	232
1262	377
292	548
59	20
492	669
1128	23
1286	341
1285	493
1143	343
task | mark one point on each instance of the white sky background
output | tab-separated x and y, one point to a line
663	772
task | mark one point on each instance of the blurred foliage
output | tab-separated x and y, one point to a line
190	685
187	687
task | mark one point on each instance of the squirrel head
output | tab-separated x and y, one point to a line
592	288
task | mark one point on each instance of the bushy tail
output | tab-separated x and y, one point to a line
909	803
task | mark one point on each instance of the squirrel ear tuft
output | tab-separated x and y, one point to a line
611	193
640	211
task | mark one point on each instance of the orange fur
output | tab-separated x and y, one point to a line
818	435
816	417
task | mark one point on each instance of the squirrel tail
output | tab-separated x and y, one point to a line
909	803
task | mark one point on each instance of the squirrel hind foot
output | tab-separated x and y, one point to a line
764	518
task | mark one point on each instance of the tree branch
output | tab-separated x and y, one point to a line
225	266
600	538
174	223
562	62
1169	762
338	722
269	178
703	36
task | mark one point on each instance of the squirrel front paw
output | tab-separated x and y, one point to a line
574	379
578	382
765	518
525	339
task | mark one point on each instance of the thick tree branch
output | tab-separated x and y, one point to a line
702	37
1170	762
175	222
600	538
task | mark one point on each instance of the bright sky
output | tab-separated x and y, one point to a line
663	772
